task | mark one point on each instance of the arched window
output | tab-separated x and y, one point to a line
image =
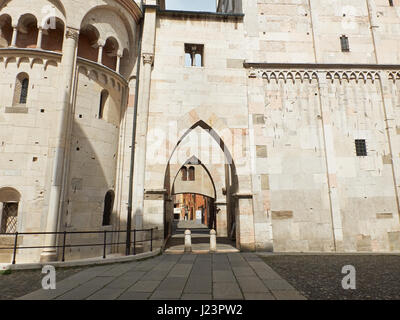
191	174
9	200
108	206
21	89
103	100
24	91
184	173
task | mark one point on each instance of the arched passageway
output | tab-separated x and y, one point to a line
212	184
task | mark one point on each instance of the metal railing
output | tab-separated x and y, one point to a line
65	245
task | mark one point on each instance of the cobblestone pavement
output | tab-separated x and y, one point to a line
21	282
230	276
319	276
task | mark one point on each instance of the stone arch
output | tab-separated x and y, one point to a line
6	30
53	35
9	194
88	43
41	10
110	52
230	176
191	161
27	31
109	23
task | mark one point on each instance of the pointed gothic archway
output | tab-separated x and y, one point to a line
223	177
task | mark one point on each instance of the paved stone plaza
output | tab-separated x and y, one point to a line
231	276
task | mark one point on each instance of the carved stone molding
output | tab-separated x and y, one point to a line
394	76
311	75
285	75
353	75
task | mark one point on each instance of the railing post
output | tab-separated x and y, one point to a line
15	247
63	249
151	239
134	242
105	244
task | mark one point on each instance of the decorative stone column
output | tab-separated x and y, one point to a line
39	38
14	36
118	66
141	137
100	53
59	144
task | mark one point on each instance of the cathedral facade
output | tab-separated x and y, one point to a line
287	113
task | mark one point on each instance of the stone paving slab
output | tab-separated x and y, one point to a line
145	286
252	285
106	294
133	295
196	296
227	291
258	296
221	276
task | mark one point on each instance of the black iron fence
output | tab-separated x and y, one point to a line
147	238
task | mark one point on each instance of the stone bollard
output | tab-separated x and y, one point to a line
188	241
213	241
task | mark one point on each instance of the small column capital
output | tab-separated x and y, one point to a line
148	58
72	34
101	43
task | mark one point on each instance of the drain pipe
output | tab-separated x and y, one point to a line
129	218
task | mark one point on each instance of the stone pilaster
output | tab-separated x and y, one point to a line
148	41
391	132
337	228
63	110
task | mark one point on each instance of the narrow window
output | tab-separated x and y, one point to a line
194	55
191	174
103	100
9	217
361	148
344	42
24	91
21	89
108	206
184	174
391	3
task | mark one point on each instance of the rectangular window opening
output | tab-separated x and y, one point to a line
344	42
361	148
194	55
